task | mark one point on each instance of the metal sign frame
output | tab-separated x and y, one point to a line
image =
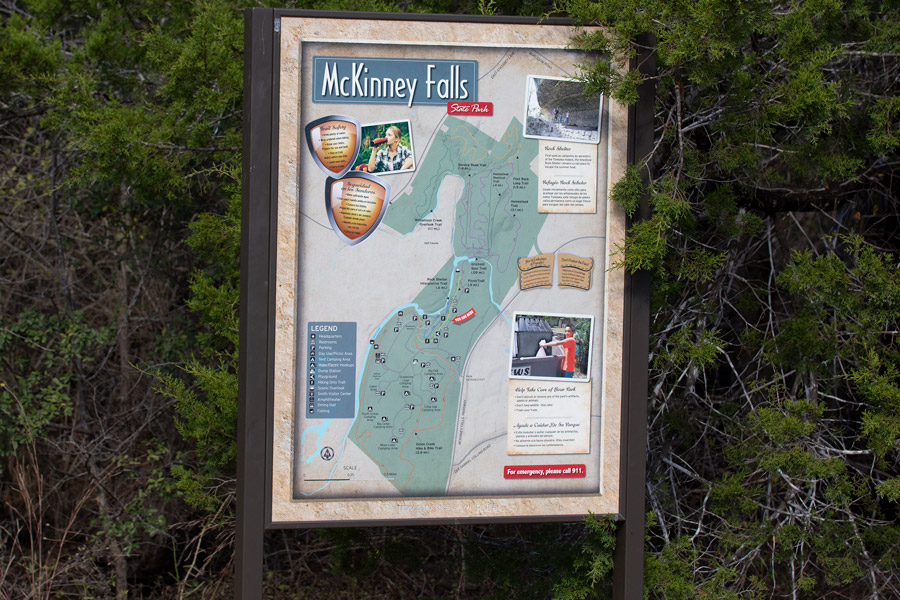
258	314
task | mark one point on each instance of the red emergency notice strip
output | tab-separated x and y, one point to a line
470	108
468	314
542	471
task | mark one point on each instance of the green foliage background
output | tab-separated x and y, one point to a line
774	431
774	436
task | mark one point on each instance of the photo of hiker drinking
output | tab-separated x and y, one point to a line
386	148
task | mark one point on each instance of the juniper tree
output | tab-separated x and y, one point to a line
774	431
117	120
774	389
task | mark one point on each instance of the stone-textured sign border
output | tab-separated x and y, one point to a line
268	267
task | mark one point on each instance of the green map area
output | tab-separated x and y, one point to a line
411	378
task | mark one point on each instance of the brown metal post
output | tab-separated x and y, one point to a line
256	242
628	574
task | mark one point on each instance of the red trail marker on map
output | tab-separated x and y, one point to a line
468	314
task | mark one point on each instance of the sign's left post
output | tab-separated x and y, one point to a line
257	301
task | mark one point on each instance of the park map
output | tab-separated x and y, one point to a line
407	334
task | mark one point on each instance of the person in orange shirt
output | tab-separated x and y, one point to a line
569	345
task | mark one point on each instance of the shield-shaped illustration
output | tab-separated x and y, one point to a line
333	142
356	204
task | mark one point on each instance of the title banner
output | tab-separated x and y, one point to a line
393	81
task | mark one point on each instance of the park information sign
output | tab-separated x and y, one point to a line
448	331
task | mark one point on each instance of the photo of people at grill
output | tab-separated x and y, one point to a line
550	346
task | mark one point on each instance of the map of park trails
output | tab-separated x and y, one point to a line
404	390
410	387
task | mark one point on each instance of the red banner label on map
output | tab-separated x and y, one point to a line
542	471
468	314
470	108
